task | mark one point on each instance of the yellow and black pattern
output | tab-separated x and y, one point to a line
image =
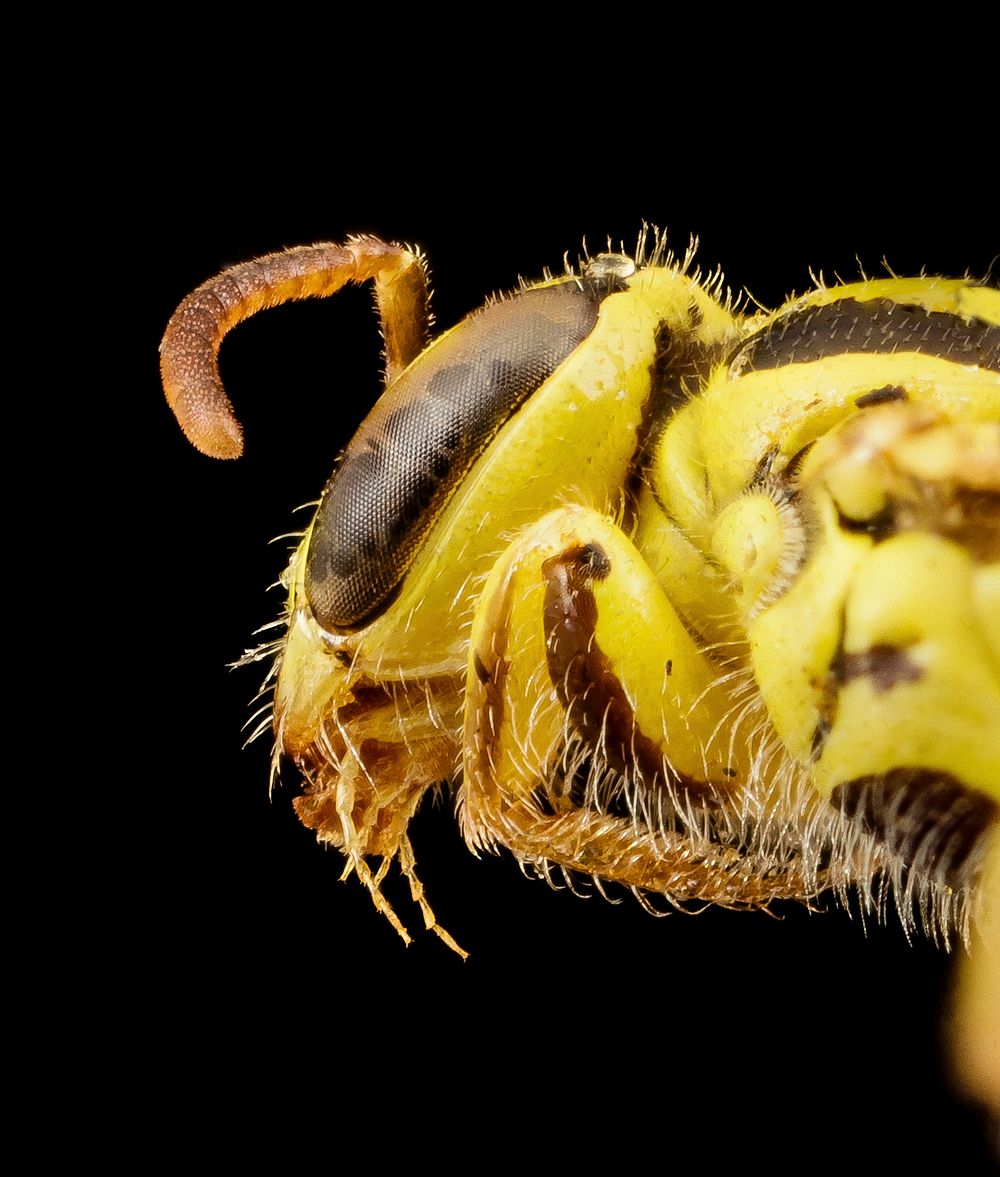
838	476
703	604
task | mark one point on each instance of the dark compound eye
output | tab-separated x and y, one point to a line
421	439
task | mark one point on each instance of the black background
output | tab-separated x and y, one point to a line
807	1039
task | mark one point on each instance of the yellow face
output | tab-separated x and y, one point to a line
703	605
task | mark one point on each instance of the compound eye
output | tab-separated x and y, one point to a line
424	435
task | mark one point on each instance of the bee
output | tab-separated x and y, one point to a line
693	600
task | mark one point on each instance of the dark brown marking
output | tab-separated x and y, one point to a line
828	695
931	819
762	470
481	672
664	385
492	668
885	665
820	734
880	526
882	396
491	707
794	465
965	516
584	678
666	371
491	713
876	326
593	559
681	365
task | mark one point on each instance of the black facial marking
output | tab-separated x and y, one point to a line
880	526
794	463
829	697
481	672
963	515
680	366
884	665
762	471
882	396
820	734
669	376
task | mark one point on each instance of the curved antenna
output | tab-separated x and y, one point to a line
190	346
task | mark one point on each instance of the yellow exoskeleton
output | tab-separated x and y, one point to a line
701	603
